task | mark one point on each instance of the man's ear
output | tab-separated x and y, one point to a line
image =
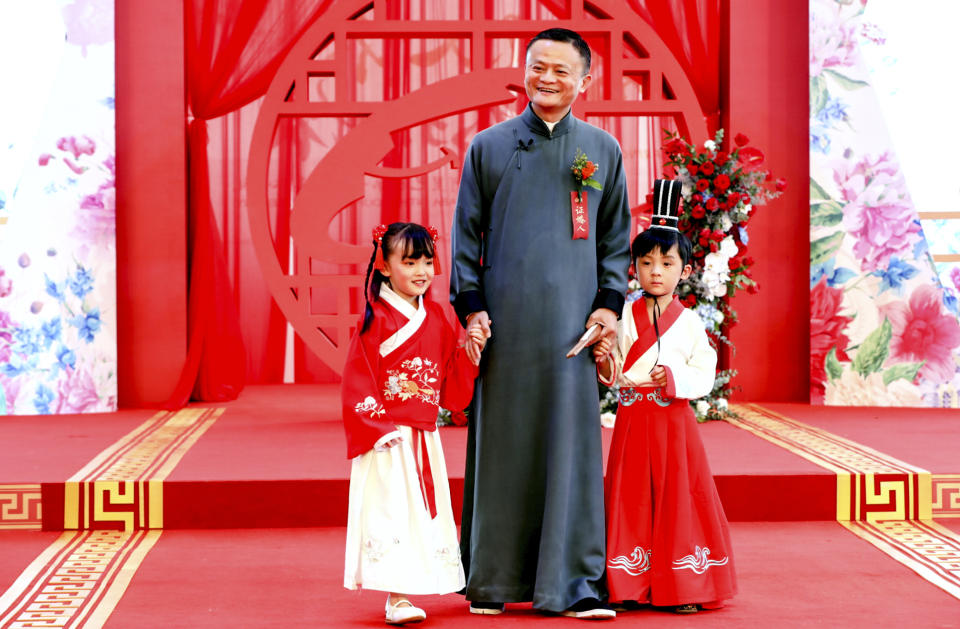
585	82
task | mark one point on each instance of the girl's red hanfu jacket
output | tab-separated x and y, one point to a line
401	371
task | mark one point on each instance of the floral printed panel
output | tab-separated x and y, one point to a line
57	209
884	327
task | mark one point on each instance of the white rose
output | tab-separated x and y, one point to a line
747	208
702	407
721	403
710	145
725	223
728	248
608	419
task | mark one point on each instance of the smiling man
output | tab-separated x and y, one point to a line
540	252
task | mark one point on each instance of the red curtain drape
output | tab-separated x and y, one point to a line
691	30
232	50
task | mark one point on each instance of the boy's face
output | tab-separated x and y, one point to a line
659	273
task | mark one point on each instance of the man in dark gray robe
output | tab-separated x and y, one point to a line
533	511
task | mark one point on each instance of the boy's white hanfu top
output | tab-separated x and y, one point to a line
684	351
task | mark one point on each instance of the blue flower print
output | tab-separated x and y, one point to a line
66	358
896	273
54	290
834	109
835	277
26	341
51	332
42	400
87	324
81	283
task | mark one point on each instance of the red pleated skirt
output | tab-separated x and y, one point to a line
668	542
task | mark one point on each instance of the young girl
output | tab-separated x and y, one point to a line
667	538
401	367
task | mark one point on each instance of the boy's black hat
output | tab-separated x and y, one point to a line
666	203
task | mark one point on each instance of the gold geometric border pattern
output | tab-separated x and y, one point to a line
924	546
122	487
20	507
946	495
77	581
881	499
825	449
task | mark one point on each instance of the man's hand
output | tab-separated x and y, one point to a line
608	320
478	326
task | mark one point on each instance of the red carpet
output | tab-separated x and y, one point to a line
799	574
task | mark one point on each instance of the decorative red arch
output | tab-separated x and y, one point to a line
631	50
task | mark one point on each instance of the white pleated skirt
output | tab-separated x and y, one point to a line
393	543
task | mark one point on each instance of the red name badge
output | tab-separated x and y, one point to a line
579	215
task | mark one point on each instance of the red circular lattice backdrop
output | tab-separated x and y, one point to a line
628	46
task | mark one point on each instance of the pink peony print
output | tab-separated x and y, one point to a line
6	284
921	332
878	213
76	393
955	277
826	332
833	40
89	23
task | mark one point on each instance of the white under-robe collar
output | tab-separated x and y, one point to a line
416	318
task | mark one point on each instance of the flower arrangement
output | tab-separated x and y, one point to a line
721	188
583	170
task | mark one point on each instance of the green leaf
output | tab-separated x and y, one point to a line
817	193
907	371
826	213
834	370
845	81
823	249
874	349
818	94
593	183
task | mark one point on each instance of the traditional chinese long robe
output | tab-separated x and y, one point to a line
667	537
401	535
533	524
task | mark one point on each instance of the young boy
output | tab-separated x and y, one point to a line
667	538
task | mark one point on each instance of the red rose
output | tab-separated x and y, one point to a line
734	263
707	168
753	289
712	204
696	198
690	300
781	184
675	146
713	247
741	139
683	225
703	184
827	328
720	183
745	199
748	261
697	211
588	169
717	235
692	169
722	158
733	198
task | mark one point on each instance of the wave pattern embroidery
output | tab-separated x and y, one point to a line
635	565
699	561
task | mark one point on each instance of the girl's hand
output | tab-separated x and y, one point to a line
659	375
393	442
478	331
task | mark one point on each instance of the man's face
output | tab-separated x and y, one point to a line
554	78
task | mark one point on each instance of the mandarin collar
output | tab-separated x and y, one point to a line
533	123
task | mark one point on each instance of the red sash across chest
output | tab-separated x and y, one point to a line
646	334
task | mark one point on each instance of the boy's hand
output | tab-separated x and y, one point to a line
602	348
659	375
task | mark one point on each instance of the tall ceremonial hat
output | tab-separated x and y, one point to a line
666	203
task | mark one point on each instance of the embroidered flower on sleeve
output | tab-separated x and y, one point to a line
371	406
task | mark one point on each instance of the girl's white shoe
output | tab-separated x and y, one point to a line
403	612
